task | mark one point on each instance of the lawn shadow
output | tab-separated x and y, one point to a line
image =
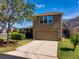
6	56
66	49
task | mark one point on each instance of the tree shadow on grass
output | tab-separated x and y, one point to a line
66	49
5	56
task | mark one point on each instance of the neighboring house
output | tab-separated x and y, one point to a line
47	26
27	31
73	25
25	27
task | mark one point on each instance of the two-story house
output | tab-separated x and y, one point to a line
47	26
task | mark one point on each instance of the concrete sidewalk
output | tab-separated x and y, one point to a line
37	50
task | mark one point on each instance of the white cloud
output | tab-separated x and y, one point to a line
78	2
40	5
55	8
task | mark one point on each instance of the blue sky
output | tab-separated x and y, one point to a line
70	8
25	24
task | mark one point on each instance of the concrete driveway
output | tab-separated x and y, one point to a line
37	50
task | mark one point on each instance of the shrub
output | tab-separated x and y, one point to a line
1	39
74	40
17	36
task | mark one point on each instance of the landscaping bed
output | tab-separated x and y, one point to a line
65	50
16	39
12	47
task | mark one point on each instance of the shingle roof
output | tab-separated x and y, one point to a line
74	23
48	13
76	27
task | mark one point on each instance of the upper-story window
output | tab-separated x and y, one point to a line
46	19
50	19
41	19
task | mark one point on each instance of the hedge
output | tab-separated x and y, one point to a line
17	36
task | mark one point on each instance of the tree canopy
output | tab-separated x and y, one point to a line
16	11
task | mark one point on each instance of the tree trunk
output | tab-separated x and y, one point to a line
8	31
74	47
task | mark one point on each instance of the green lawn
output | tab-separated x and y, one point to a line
13	47
65	50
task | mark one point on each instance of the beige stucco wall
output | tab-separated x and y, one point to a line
47	31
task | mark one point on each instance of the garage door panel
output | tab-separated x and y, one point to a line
47	35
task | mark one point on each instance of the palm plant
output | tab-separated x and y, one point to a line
13	11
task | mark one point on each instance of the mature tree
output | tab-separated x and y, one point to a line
12	11
65	27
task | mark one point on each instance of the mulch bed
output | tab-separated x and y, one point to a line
3	43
